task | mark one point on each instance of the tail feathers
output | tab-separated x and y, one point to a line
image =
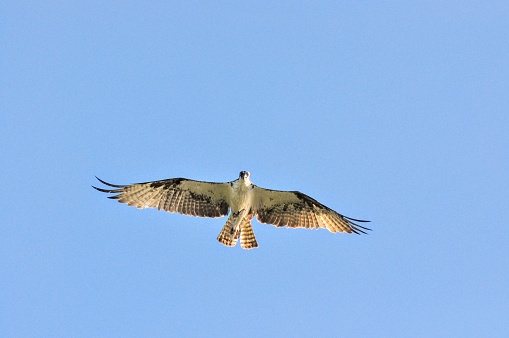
247	236
225	234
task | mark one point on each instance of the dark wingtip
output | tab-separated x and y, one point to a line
109	184
118	188
356	220
107	190
358	231
357	228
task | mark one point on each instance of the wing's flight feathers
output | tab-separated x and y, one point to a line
188	197
294	209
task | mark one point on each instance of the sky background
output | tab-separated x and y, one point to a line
395	112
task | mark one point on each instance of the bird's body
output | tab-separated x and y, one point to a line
241	199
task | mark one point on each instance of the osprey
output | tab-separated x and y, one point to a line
241	199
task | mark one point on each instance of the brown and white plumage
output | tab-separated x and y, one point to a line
241	199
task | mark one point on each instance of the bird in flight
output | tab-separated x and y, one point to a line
241	199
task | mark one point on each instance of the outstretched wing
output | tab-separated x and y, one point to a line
188	197
294	209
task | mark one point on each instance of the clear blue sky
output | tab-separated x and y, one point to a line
396	112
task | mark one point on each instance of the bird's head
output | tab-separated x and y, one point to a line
244	175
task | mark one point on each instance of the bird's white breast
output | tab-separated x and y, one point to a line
241	197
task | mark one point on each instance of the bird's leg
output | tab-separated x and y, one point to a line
237	221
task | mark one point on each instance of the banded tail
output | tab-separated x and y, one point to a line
225	234
246	234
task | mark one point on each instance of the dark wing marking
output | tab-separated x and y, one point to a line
294	209
188	197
